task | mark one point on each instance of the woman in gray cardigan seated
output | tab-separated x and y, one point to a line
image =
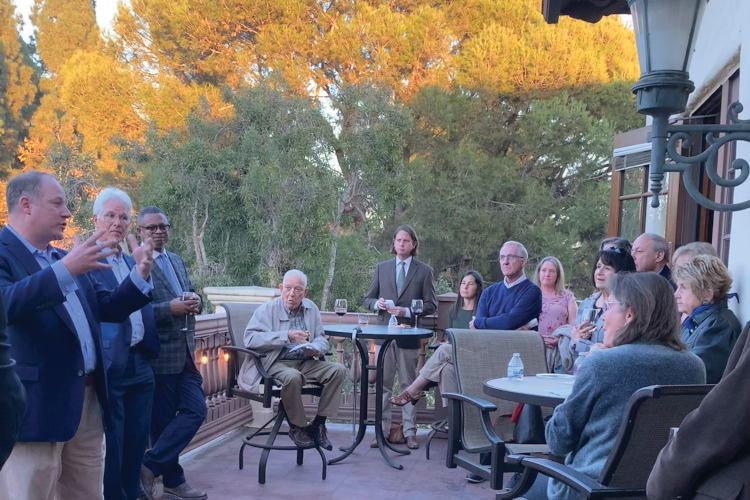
642	348
709	329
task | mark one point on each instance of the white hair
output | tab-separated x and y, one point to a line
521	248
111	193
296	273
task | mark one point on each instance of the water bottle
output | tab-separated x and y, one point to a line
515	368
579	362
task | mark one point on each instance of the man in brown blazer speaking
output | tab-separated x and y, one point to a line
401	280
709	457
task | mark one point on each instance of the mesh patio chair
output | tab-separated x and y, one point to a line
644	431
238	316
479	355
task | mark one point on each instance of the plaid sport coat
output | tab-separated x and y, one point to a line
175	344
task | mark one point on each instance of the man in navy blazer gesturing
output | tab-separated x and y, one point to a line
55	309
128	348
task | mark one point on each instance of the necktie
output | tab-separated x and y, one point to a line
166	268
401	278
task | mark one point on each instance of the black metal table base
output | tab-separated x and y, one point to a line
378	422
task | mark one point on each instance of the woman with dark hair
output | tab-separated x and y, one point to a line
590	331
439	368
642	347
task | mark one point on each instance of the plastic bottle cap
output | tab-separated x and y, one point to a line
516	354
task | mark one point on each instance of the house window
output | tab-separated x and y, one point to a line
634	204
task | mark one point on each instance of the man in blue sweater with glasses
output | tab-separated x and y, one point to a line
513	303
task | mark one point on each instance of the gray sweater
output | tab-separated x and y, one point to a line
585	426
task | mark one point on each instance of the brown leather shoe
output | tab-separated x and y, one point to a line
184	492
412	443
319	435
300	437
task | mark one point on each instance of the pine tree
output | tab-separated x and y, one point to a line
18	88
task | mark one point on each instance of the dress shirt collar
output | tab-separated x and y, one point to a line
519	280
406	262
49	250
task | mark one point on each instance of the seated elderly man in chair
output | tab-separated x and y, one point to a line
289	331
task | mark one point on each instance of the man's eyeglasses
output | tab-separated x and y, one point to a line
109	217
152	229
509	258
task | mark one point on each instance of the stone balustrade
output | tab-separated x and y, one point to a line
227	413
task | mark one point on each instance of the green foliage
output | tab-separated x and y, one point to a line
19	79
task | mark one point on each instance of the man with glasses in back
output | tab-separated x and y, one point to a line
179	407
127	349
515	302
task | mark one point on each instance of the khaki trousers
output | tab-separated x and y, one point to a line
403	361
293	374
439	368
60	471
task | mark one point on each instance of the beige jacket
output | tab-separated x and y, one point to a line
267	333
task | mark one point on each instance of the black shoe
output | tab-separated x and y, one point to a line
319	435
474	478
300	437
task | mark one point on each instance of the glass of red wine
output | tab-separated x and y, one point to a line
340	308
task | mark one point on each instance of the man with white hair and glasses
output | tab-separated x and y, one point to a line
128	348
513	303
289	331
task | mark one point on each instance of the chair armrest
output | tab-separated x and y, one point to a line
560	472
243	350
480	403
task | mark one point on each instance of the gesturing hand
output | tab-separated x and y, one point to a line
142	255
85	256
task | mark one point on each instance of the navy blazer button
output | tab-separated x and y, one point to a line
80	373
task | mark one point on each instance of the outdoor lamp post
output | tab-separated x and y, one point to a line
665	34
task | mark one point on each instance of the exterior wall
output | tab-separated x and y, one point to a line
739	264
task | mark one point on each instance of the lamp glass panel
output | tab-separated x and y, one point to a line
663	30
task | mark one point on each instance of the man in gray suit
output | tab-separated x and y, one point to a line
401	280
179	406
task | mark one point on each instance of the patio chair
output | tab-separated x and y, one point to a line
479	355
238	316
644	431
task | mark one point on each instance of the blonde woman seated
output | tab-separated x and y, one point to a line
558	304
439	368
709	328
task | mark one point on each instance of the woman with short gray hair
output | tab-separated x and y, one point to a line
709	328
642	347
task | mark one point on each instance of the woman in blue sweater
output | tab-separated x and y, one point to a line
642	348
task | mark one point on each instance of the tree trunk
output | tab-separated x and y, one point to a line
197	237
332	259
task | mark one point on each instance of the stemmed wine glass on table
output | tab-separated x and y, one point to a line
340	308
417	307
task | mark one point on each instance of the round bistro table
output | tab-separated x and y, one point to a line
387	335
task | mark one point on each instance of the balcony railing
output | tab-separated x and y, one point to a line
226	413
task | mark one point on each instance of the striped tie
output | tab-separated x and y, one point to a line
401	278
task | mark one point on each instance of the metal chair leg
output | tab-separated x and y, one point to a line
271	438
300	456
242	455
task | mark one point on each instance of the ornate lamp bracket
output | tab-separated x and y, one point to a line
664	139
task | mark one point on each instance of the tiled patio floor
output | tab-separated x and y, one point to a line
362	476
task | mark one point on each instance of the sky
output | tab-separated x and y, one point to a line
105	12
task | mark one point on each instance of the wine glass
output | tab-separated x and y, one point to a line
417	307
183	297
340	308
